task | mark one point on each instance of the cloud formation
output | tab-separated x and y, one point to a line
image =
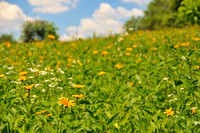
11	17
102	20
53	6
139	2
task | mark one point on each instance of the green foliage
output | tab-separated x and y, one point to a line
7	38
38	29
167	13
133	24
189	11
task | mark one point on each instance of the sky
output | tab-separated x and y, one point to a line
74	18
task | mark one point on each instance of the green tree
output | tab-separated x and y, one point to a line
38	29
189	11
133	24
7	38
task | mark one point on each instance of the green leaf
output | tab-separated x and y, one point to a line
113	118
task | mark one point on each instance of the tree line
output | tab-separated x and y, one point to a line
166	13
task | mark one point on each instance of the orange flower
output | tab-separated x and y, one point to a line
22	77
138	60
127	54
37	113
79	86
104	52
29	87
101	73
95	52
48	115
131	84
119	66
78	96
66	102
135	46
129	49
169	112
23	73
51	37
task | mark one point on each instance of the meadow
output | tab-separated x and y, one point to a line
147	81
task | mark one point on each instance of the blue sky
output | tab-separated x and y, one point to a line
74	18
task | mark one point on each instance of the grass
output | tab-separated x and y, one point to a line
147	81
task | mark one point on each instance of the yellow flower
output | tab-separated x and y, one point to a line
43	111
29	87
176	46
23	73
131	84
22	77
95	52
8	44
78	96
169	112
127	54
138	60
119	66
79	86
51	37
37	113
2	75
101	73
104	52
48	115
26	94
66	102
135	46
129	49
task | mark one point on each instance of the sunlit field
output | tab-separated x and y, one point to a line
148	81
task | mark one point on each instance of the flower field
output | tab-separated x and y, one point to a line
148	81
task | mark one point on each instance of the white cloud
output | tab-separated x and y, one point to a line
11	17
102	20
53	6
139	2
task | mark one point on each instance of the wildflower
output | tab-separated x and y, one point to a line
134	46
37	113
120	39
176	46
43	111
51	37
101	73
165	78
131	84
26	94
2	75
79	86
66	102
169	112
138	60
8	44
119	66
129	49
95	52
196	39
194	110
22	77
48	115
78	96
196	122
104	52
127	54
29	87
23	73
